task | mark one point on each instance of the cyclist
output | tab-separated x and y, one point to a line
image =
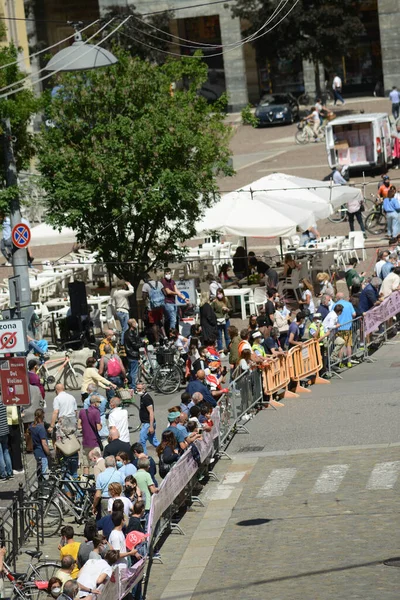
313	117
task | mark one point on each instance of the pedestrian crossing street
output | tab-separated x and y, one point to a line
326	480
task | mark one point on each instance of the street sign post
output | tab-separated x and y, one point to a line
14	381
187	287
13	337
21	235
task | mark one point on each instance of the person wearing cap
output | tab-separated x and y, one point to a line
370	296
257	340
181	440
383	187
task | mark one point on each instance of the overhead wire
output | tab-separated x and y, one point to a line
28	77
21	60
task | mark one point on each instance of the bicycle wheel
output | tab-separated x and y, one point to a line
339	215
52	517
375	223
133	414
73	376
167	379
43	571
301	137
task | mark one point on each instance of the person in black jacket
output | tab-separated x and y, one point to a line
208	320
132	346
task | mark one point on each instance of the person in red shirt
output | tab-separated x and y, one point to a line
34	378
171	291
383	189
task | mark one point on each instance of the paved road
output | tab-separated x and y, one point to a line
309	504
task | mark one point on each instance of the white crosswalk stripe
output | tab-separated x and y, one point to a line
384	476
330	479
277	482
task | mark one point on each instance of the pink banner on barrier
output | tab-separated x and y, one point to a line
378	315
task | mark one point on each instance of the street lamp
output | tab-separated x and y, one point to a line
77	57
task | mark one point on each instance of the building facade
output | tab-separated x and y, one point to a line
13	14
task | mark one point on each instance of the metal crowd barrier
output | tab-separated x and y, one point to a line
335	345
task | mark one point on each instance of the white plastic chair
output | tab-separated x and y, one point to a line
291	283
348	249
259	298
359	243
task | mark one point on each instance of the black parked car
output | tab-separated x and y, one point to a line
277	108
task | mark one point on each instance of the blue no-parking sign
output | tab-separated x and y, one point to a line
21	235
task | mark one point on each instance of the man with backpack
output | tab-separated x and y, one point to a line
132	347
154	296
112	368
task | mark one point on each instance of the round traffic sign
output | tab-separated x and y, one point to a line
183	300
8	340
21	235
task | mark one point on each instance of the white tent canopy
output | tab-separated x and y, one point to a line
45	235
274	206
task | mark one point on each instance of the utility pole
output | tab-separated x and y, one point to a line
19	257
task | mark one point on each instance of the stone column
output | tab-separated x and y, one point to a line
388	11
234	65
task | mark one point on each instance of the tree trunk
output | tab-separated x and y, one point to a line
317	81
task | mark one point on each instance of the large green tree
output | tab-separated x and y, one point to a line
19	108
130	166
321	31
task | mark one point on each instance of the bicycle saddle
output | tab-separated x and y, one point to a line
34	553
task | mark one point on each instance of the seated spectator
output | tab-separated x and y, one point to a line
167	452
131	489
138	452
96	572
68	566
69	547
180	343
115	493
224	275
369	297
124	465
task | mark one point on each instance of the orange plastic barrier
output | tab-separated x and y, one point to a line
305	361
276	377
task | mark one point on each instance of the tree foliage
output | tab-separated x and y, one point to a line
317	30
19	108
129	166
138	37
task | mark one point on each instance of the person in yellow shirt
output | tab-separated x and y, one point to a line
69	546
68	564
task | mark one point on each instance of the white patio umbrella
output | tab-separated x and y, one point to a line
45	235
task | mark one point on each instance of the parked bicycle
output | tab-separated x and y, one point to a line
69	373
30	585
163	369
375	220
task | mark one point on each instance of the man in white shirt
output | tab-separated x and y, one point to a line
395	100
64	405
391	282
331	320
96	572
118	418
383	258
337	89
338	177
121	303
117	541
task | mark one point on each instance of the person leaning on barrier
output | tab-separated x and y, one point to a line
370	296
345	319
294	330
70	590
391	283
272	344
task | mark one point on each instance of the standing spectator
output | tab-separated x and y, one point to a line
40	443
370	296
110	475
294	330
331	321
112	368
117	541
103	406
355	207
171	292
154	297
90	423
391	208
64	405
337	90
68	546
132	348
116	445
89	533
307	302
282	323
384	187
272	343
34	378
167	453
135	522
119	418
124	465
145	483
395	100
337	176
383	258
266	318
92	375
147	418
208	320
214	285
15	439
389	265
198	385
28	414
121	300
97	462
239	261
67	566
137	450
233	333
352	276
222	308
325	305
6	470
345	319
115	493
325	286
391	282
110	339
96	572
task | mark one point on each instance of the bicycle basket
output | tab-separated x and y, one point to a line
301	125
165	357
124	394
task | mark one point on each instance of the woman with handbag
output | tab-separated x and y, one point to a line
40	443
167	453
89	422
222	308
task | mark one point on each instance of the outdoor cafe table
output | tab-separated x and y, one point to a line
324	245
241	293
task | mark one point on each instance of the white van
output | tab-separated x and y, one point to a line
359	141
